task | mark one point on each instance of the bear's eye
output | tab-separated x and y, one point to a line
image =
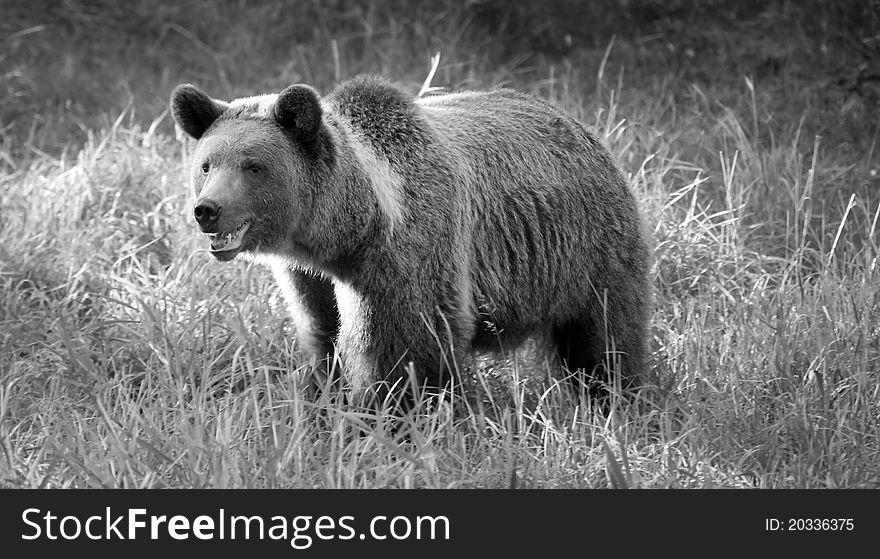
254	168
205	168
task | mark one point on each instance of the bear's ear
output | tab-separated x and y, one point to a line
298	109
193	110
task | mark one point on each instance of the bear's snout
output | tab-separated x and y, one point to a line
207	212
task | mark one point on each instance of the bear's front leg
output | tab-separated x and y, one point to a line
385	331
312	304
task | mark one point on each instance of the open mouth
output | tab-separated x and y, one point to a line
225	242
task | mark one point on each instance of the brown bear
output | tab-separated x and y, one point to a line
413	231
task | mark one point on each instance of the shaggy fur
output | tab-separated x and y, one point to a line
407	230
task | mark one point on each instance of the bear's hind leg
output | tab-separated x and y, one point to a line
580	354
589	355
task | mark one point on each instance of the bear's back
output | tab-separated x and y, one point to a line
381	114
509	143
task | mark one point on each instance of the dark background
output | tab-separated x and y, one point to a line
67	66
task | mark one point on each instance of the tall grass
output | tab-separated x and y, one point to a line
130	358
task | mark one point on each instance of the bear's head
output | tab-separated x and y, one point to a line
253	169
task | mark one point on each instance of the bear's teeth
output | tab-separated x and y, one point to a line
230	240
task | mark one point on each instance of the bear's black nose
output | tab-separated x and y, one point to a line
207	212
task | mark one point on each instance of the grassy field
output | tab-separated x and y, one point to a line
130	358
